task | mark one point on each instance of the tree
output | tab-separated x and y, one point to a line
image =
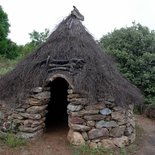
8	48
38	38
27	48
134	50
4	24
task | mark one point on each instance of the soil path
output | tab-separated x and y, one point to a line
53	142
148	140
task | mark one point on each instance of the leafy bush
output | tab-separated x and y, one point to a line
150	111
8	49
134	50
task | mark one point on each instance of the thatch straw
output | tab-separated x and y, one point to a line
99	76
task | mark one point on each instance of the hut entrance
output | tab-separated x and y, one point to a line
57	107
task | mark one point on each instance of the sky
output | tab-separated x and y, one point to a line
101	16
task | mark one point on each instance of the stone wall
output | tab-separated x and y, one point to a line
100	124
28	120
5	111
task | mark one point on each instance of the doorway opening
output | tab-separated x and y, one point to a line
57	116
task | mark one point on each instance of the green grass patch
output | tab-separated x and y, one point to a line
6	65
5	70
123	151
87	150
11	140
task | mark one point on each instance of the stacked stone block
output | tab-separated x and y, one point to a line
30	118
97	124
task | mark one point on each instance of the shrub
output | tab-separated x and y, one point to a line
134	50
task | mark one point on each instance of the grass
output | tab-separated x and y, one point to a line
6	65
11	140
5	70
123	151
86	150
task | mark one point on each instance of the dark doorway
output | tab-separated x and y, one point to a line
57	107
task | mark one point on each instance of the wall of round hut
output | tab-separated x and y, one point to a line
97	100
5	112
99	124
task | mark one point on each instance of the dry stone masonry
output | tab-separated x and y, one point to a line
29	119
96	124
100	124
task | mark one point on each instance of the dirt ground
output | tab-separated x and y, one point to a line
147	146
54	142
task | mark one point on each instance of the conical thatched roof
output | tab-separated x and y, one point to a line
98	77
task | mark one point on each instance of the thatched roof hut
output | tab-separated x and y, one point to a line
95	74
70	53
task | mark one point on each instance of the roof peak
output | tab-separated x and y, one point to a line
75	12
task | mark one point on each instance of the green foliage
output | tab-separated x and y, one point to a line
38	38
11	140
8	48
10	53
134	50
4	25
150	111
26	49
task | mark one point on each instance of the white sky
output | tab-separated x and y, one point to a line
101	16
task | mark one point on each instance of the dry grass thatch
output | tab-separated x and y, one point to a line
99	76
